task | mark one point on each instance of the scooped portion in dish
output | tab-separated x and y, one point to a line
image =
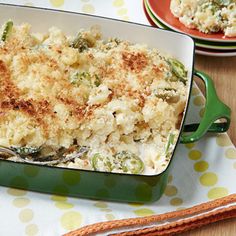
86	102
207	16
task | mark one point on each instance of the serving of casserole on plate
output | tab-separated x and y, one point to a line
208	16
87	102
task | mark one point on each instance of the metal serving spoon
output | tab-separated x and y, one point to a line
48	160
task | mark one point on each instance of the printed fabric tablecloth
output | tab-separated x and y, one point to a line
202	171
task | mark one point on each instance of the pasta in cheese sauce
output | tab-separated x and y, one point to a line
88	103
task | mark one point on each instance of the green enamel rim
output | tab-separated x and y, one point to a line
199	43
214	110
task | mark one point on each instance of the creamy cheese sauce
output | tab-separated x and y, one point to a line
120	102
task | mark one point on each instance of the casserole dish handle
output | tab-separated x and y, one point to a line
214	110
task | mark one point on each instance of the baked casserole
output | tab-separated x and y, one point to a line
207	16
89	103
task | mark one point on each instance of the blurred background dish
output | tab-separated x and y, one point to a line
164	15
203	47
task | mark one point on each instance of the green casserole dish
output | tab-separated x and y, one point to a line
105	185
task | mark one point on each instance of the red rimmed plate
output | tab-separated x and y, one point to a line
198	50
214	53
161	10
147	16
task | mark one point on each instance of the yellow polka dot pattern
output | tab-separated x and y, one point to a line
121	10
100	205
31	230
199	101
170	178
208	179
189	145
26	215
201	166
144	212
223	140
118	3
21	202
58	198
217	192
234	165
176	201
170	190
110	217
88	8
201	112
195	155
231	153
57	3
64	205
16	192
71	220
104	207
61	202
195	91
